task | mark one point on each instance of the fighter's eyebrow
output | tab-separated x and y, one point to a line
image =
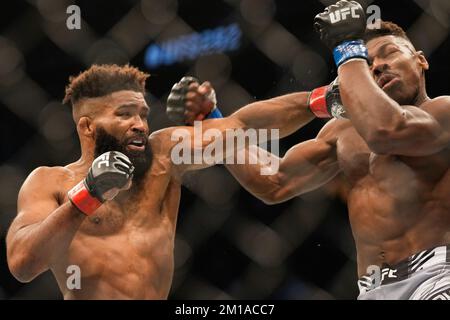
381	49
132	105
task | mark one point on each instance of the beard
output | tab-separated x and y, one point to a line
141	160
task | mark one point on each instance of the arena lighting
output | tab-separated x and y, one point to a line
191	46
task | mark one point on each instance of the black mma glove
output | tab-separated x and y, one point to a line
341	27
200	105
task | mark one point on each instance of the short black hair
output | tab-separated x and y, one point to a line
387	28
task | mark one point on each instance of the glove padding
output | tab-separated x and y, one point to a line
189	102
343	21
325	102
334	102
110	173
176	106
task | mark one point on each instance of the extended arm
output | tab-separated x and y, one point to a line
305	167
286	113
213	140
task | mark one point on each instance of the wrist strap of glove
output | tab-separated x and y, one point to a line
215	114
349	50
317	102
83	200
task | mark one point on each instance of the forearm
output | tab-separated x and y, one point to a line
303	168
287	113
370	110
33	248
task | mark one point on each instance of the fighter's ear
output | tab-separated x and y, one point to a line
86	127
423	62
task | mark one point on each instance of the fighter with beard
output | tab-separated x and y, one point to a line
113	212
75	216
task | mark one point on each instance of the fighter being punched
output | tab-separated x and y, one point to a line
395	153
390	141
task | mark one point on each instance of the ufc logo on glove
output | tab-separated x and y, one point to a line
104	160
342	14
342	11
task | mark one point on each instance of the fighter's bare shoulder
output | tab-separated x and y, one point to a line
439	108
45	179
333	128
438	102
161	141
442	99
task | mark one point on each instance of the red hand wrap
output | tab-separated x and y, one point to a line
317	102
82	199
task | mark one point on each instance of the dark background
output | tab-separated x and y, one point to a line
229	244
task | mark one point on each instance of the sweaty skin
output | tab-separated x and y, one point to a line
393	151
125	250
399	203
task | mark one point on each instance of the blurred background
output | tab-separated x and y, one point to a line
229	244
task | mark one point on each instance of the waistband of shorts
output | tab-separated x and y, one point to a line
377	276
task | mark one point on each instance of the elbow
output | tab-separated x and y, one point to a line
20	267
270	199
281	190
381	141
378	146
276	196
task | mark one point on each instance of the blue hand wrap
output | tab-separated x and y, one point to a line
349	50
215	114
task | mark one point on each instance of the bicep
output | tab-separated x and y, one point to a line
308	166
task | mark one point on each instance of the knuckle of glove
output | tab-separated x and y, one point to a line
120	156
175	107
176	101
188	80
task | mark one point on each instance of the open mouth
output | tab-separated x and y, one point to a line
386	81
137	144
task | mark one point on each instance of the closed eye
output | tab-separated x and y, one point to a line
124	114
391	52
144	115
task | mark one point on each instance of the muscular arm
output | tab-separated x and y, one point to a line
305	167
286	113
387	127
42	230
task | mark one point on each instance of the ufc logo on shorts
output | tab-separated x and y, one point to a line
342	14
377	275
